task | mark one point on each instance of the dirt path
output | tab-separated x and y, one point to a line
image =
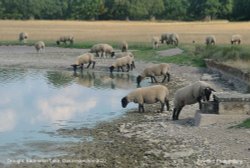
141	140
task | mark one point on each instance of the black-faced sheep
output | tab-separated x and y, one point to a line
40	45
103	48
210	40
64	40
236	39
189	95
148	95
165	38
155	42
153	71
83	59
124	46
174	39
121	62
23	36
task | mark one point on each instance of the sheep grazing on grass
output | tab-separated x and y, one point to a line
64	40
153	71
121	62
103	48
83	59
148	95
174	39
165	38
23	36
156	42
124	46
40	45
236	39
210	40
191	94
123	54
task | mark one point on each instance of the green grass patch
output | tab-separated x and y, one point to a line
244	124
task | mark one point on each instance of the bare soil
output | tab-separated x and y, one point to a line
147	139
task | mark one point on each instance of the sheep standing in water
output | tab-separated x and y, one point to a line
121	62
189	95
83	59
148	95
64	40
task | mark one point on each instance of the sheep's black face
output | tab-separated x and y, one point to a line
111	69
74	67
138	80
124	102
208	92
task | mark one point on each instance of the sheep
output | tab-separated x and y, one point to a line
148	95
155	70
236	39
124	61
64	39
165	37
39	45
155	42
191	94
124	46
82	59
23	36
103	48
123	54
174	39
210	40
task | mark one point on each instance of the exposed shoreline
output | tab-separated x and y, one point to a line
135	139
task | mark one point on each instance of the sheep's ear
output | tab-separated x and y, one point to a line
212	89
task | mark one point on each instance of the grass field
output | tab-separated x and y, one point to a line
132	31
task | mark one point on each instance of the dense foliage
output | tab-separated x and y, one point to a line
125	9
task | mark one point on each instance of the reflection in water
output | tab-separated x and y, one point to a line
38	101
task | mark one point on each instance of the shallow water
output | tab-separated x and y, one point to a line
35	103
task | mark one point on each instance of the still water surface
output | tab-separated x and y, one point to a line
36	102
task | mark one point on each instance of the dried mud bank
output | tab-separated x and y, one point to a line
152	139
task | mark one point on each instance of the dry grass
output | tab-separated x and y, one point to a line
123	30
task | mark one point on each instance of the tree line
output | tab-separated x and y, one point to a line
186	10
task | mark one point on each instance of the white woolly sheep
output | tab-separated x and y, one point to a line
23	36
165	37
124	61
236	39
64	39
155	42
83	59
153	71
210	40
191	94
103	48
174	39
40	45
148	95
124	46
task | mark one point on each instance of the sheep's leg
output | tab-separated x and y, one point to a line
199	101
89	64
128	67
133	65
155	79
141	108
162	106
167	104
122	69
176	113
81	67
93	66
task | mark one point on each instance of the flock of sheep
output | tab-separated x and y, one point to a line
191	94
173	39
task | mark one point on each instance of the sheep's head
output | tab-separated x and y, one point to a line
207	93
124	102
74	67
111	69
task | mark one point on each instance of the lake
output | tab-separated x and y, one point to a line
36	103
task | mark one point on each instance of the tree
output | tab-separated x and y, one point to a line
175	10
241	9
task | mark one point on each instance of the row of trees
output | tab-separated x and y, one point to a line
125	9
